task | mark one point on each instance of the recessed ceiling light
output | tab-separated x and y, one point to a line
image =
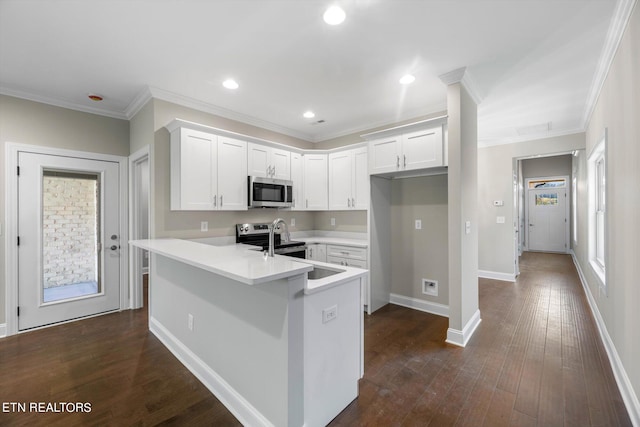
407	79
334	15
230	84
309	115
94	97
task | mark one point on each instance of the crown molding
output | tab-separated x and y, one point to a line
463	76
491	142
618	24
29	96
139	101
205	107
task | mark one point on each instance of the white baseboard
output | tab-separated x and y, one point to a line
234	402
622	379
507	277
3	330
460	338
421	305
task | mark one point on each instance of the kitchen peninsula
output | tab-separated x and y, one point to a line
275	347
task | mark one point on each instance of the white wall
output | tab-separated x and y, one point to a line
618	110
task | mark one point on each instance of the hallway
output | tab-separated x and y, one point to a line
536	359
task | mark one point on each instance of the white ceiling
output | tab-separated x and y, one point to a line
532	62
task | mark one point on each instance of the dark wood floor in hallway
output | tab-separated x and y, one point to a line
536	359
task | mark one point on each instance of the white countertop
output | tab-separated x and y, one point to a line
357	243
246	265
237	262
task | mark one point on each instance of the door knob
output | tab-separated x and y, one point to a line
114	247
114	237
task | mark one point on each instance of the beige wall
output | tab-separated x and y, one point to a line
547	166
32	123
618	110
418	254
349	221
496	251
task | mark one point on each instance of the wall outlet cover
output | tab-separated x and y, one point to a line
293	222
204	226
418	224
333	221
430	287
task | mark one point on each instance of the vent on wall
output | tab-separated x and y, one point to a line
534	129
317	122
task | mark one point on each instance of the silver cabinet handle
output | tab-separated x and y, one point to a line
220	201
397	161
353	202
348	202
215	201
405	160
307	203
273	170
310	252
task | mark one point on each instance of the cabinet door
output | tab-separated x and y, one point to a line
360	187
317	252
280	164
232	174
258	160
422	149
298	183
315	182
384	155
340	180
196	155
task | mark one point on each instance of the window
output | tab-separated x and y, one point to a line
598	210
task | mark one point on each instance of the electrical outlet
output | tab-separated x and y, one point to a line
190	321
333	221
293	222
430	287
418	224
500	220
204	226
330	313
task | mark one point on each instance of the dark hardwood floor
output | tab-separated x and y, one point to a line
535	359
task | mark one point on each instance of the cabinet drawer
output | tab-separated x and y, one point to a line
347	262
347	252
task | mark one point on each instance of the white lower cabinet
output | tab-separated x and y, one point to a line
317	252
351	257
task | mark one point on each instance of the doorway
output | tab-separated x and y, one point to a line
140	218
547	210
69	238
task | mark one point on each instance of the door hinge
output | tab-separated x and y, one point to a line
18	311
18	170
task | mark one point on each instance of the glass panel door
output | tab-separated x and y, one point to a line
70	235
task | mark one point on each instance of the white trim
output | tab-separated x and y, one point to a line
408	127
3	330
461	338
420	305
139	101
496	275
462	76
622	379
617	26
11	214
29	96
230	398
135	264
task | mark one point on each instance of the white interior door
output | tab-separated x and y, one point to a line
69	243
548	219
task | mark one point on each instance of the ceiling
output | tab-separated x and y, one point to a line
533	64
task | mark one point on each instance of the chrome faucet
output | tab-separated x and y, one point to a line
272	228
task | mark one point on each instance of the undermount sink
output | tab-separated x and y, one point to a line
321	273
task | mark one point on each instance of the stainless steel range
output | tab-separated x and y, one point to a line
258	235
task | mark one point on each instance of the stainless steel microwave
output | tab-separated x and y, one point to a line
270	192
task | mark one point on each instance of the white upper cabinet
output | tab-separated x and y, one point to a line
269	162
316	195
348	180
232	174
297	176
421	149
208	172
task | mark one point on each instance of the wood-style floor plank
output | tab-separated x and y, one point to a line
535	360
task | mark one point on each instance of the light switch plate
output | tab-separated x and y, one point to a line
418	224
467	227
500	220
